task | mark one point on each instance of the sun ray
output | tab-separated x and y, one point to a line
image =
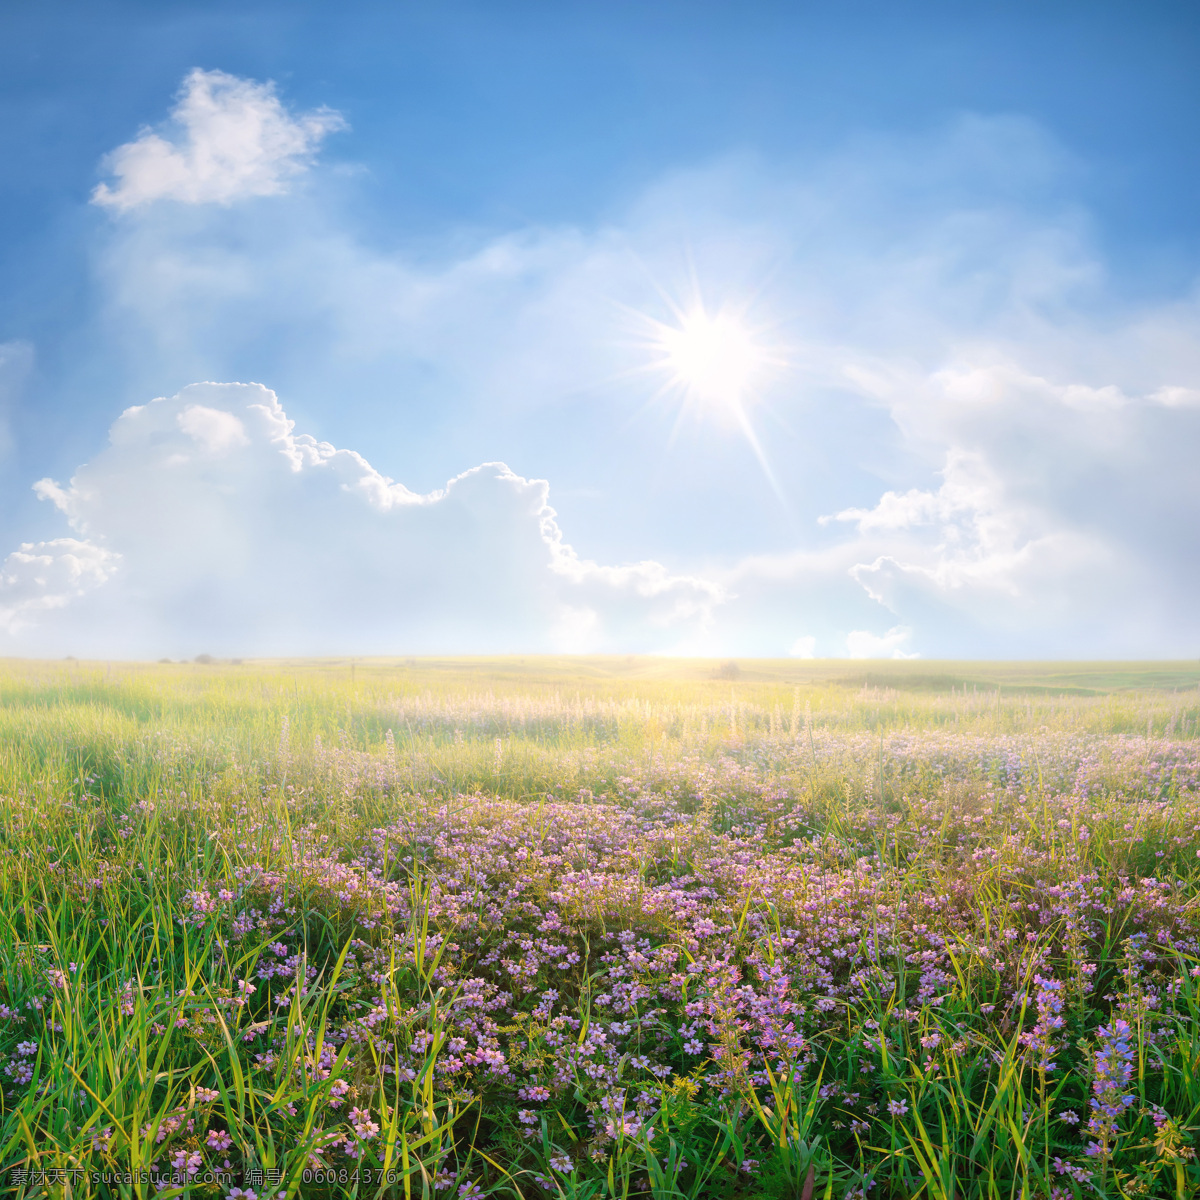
760	454
713	363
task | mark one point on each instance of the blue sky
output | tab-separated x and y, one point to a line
852	329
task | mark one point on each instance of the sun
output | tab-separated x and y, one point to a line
713	359
715	365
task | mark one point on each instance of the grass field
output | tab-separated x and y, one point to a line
600	927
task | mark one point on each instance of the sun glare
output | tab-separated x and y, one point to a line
714	359
714	365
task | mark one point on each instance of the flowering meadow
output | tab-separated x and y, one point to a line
599	928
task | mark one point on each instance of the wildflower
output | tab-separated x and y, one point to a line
897	1107
218	1139
1079	1174
202	904
1041	1038
1112	1070
562	1162
188	1163
360	1119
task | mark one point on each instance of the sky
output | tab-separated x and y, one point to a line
731	329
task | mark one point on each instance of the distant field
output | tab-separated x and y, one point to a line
584	927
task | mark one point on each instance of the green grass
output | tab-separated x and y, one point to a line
399	856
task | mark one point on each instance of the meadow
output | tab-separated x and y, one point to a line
599	928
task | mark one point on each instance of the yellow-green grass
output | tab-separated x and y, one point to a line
415	822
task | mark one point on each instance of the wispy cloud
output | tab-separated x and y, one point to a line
16	364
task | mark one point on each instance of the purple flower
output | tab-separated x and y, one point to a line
1041	1039
1112	1070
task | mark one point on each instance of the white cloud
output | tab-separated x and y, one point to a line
1063	522
862	644
268	541
211	428
804	647
995	383
232	138
1059	500
977	532
965	494
43	576
1177	397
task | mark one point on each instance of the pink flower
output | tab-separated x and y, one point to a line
360	1119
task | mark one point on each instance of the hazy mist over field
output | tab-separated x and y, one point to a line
692	330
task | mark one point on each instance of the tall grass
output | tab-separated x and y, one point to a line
587	929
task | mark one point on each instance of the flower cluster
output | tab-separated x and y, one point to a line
655	934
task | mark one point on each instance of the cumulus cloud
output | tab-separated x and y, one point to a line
209	524
1062	521
972	531
228	139
1060	501
212	429
860	643
964	494
43	576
